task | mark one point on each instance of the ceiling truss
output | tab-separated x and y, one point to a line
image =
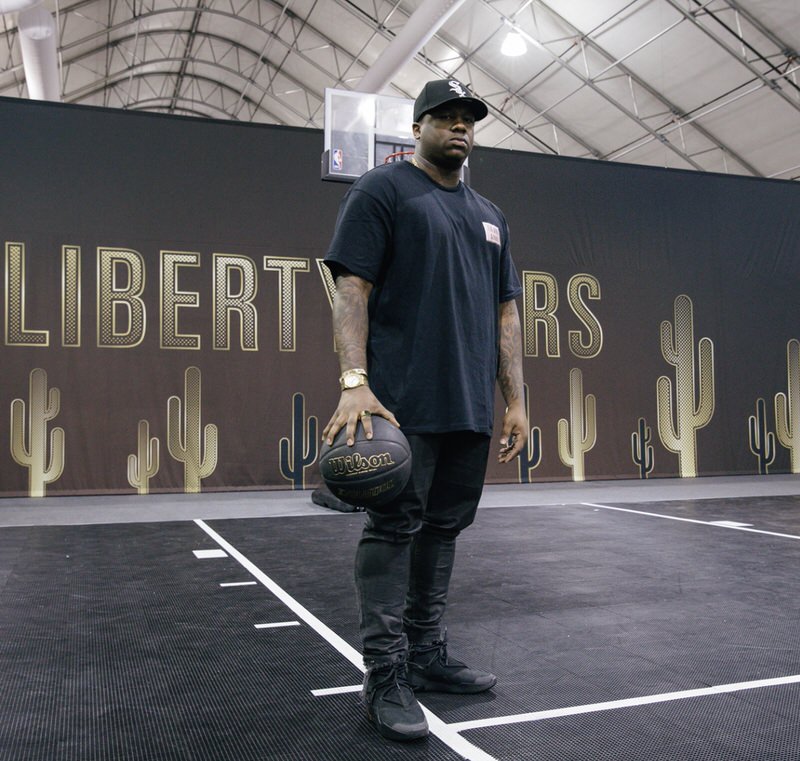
709	85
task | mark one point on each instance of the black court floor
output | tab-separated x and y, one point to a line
661	630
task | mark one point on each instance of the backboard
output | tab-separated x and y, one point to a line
361	130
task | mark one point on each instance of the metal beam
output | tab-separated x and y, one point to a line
420	26
652	92
120	42
771	83
517	128
91	90
187	55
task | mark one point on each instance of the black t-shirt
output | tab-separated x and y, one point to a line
439	261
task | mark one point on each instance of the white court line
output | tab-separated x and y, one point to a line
277	625
205	554
336	690
443	731
627	703
302	613
237	583
691	520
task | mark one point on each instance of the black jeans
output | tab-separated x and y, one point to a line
406	552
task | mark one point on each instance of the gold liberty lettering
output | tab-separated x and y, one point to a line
330	286
226	301
120	283
286	268
580	349
70	295
172	299
540	301
16	332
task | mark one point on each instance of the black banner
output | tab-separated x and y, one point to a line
167	323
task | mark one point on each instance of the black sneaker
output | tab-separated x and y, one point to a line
391	704
431	670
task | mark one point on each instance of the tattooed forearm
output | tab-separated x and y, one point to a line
351	321
509	366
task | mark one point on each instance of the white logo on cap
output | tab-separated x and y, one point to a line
457	88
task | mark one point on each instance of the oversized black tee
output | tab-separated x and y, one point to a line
440	264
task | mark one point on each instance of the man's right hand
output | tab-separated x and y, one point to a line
353	403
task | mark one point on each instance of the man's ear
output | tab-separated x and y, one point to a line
415	130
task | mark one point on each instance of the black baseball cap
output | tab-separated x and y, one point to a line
441	91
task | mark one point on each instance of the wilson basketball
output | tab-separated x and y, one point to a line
372	471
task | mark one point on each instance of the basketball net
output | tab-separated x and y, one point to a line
398	156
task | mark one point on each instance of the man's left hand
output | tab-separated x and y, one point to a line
515	432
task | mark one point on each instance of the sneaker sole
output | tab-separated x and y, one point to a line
427	685
413	732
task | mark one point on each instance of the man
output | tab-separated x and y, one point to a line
425	322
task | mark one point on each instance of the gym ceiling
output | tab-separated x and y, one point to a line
708	85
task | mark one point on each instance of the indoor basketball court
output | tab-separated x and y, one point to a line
570	225
624	621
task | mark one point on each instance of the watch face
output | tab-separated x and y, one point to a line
351	381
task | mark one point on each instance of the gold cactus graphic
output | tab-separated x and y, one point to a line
42	407
578	435
183	434
678	427
143	465
787	406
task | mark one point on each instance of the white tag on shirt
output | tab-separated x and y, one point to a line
492	233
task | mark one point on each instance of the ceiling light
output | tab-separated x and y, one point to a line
514	45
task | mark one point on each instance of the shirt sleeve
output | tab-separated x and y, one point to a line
363	232
510	286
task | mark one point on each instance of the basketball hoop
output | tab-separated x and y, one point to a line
398	156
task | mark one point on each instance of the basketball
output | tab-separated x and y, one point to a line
372	471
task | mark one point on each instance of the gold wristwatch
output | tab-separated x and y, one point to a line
353	378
